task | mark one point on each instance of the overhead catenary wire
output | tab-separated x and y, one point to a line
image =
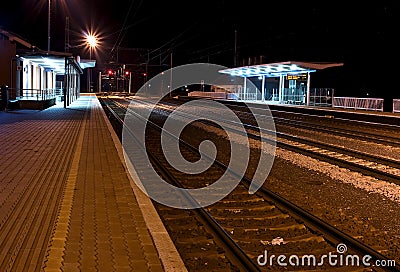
172	44
122	32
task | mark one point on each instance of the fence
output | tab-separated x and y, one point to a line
375	104
36	94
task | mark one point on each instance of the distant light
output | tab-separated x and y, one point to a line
126	72
110	72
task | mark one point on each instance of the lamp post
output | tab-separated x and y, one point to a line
92	42
48	26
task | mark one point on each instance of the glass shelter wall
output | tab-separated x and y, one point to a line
295	89
287	89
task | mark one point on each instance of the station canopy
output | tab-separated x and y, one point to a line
56	62
279	68
48	62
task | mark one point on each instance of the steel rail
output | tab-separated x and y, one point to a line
230	244
332	233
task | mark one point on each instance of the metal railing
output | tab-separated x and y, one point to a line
374	104
37	94
396	105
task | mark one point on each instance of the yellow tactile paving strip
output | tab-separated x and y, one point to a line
56	251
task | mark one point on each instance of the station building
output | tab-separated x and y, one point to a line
35	79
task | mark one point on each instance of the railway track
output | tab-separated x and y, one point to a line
361	130
337	120
236	231
375	166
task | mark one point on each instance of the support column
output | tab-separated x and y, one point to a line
130	82
281	87
308	90
263	89
78	85
40	82
244	88
99	82
70	85
65	87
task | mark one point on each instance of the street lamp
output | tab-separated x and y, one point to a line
91	41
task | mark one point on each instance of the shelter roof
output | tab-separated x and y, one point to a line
279	68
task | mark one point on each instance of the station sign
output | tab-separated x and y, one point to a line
297	77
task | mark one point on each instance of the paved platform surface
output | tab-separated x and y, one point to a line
66	201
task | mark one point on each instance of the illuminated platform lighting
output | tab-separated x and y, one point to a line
91	40
279	68
56	64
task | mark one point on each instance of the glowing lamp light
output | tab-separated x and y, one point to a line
91	40
110	72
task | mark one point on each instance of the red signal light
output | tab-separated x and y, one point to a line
126	73
110	72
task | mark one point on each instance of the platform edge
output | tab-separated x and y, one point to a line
167	252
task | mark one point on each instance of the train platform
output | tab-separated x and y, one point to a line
67	202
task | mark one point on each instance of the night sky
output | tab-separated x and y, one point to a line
362	35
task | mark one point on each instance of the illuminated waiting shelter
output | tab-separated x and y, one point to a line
45	77
39	77
281	82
